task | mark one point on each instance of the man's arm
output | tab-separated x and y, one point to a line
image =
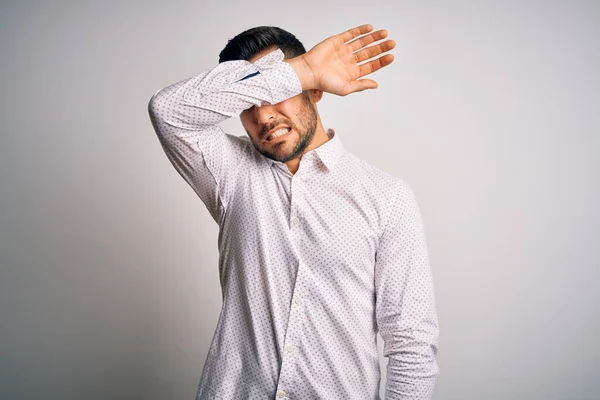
405	302
185	116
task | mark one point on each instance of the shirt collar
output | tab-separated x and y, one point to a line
329	152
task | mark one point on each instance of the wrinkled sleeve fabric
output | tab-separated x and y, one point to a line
186	114
405	303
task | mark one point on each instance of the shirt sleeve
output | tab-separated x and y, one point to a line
405	303
186	114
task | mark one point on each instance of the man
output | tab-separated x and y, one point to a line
318	250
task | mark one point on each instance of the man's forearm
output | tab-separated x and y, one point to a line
413	375
210	97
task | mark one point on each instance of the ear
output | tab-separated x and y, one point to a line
315	95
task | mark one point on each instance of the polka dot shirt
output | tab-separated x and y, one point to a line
312	265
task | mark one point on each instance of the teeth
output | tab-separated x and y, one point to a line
277	133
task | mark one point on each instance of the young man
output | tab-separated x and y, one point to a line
318	250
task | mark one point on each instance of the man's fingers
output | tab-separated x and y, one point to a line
354	32
374	50
372	66
357	39
368	39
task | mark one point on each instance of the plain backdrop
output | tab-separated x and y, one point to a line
109	283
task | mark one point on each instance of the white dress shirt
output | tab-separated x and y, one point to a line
313	264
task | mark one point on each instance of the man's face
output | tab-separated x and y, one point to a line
298	115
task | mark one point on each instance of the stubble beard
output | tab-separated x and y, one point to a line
308	115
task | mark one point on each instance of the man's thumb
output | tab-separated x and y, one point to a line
363	84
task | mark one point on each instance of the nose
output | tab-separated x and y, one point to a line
265	114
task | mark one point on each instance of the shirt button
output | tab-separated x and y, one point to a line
290	348
295	221
281	394
297	300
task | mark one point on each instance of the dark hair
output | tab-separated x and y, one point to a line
247	44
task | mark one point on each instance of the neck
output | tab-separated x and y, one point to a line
317	140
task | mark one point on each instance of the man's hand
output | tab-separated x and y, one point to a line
332	65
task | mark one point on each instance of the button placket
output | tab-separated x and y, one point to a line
294	334
290	346
296	194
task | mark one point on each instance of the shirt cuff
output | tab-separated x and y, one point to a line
280	76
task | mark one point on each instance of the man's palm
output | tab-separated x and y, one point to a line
334	63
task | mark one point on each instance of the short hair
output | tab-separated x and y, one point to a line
247	44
